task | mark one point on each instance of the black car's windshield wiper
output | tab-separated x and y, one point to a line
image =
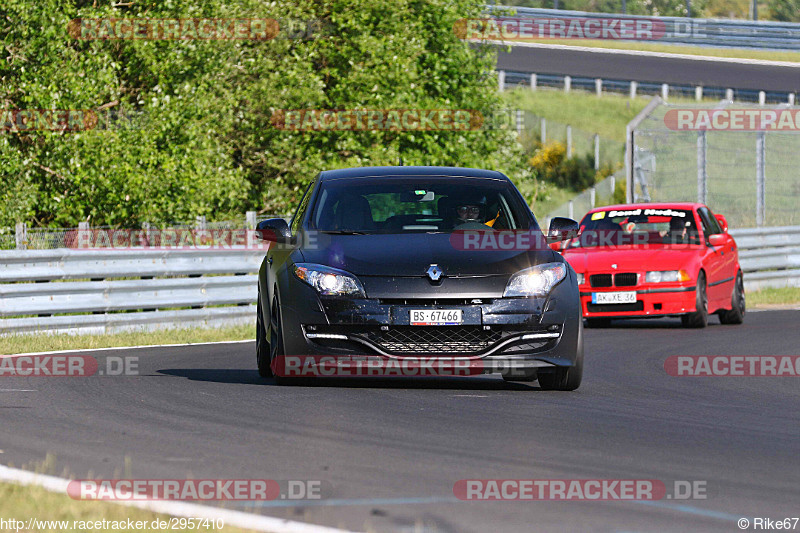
343	232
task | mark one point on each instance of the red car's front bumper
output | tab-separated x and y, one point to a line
652	299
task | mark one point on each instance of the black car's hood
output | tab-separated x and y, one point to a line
411	254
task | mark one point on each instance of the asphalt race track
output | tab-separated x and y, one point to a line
389	452
609	65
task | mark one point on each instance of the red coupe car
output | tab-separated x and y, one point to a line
646	260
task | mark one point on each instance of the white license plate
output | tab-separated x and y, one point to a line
622	297
435	317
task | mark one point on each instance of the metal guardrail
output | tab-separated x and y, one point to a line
770	257
726	33
79	291
48	291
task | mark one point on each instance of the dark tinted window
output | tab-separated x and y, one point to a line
709	221
418	204
297	220
637	225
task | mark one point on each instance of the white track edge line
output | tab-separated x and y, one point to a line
137	347
183	509
647	53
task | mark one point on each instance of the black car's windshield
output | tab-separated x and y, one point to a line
418	204
650	226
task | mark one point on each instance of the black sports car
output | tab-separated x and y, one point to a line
374	265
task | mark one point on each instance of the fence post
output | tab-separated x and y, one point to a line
250	226
22	236
760	178
634	85
544	130
596	151
567	83
598	87
533	82
613	179
84	238
518	119
702	177
148	236
569	141
501	80
593	196
571	210
200	222
698	93
664	91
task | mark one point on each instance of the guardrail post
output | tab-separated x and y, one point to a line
518	121
571	210
569	141
613	179
533	82
250	225
596	151
567	83
791	98
698	93
702	177
544	130
501	80
21	236
729	95
760	178
592	196
762	98
634	85
200	222
664	91
598	87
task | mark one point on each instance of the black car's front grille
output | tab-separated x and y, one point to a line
434	339
600	280
626	279
615	308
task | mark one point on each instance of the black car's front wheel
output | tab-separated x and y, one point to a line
566	378
276	347
262	347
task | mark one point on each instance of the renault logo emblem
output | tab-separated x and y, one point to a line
434	272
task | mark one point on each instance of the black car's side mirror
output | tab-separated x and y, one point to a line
562	229
275	230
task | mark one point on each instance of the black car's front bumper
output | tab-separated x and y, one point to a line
502	333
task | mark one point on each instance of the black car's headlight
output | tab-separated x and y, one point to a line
329	281
536	281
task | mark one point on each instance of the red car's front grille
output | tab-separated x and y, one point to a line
625	279
600	280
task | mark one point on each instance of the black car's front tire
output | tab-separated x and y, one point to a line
566	378
276	346
262	347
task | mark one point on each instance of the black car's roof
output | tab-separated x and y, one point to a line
375	172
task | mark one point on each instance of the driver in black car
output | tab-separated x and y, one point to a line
470	215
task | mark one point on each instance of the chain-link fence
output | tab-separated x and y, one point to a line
601	194
742	161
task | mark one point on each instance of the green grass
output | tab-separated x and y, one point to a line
13	344
24	502
677	49
768	297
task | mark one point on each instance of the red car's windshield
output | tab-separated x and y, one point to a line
639	226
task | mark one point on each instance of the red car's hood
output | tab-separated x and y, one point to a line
630	258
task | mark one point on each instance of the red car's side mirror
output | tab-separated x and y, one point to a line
718	239
722	222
